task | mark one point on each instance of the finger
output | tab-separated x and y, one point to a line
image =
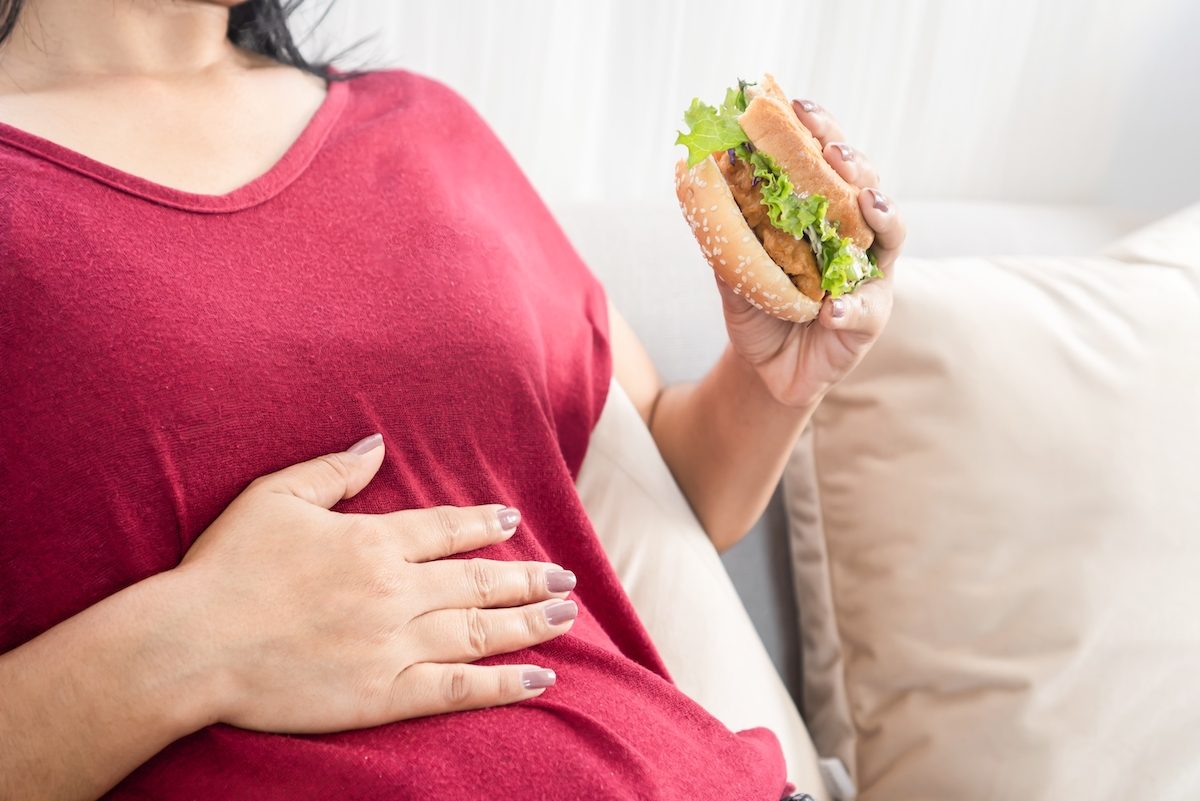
864	311
732	302
486	583
430	689
854	167
441	531
890	231
819	121
328	479
464	635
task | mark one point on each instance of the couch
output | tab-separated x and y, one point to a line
656	277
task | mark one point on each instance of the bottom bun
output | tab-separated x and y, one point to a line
732	249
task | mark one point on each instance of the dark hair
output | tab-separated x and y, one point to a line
259	26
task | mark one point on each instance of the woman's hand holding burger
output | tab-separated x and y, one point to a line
798	234
800	362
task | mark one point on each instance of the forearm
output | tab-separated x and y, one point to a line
726	440
90	700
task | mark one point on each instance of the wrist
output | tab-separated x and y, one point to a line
189	679
102	692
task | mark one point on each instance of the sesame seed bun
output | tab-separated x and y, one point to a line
730	246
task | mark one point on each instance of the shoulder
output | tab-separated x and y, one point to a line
391	110
381	91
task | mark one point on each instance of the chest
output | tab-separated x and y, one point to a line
206	138
230	316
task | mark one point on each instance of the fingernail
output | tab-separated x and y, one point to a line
808	106
846	151
537	679
839	308
560	580
561	612
509	518
367	444
879	201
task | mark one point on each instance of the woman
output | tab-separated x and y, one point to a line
217	261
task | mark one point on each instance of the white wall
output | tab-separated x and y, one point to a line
1080	101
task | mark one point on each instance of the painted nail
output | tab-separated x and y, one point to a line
839	308
879	201
509	518
846	151
560	580
809	106
367	444
537	679
561	612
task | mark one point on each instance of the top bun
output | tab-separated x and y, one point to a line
773	127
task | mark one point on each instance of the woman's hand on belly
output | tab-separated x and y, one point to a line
317	621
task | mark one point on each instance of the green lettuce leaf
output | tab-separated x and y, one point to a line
711	129
787	210
843	266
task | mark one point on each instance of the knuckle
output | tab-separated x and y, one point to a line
483	582
370	689
449	526
370	560
534	624
257	485
477	634
456	689
508	686
381	582
335	466
535	581
399	694
488	521
357	529
865	305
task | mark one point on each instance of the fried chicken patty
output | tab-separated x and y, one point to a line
793	255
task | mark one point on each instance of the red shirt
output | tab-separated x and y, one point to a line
396	272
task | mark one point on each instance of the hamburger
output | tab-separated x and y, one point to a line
774	220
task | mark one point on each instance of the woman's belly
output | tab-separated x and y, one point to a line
608	729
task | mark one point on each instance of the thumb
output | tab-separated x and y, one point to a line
333	477
731	300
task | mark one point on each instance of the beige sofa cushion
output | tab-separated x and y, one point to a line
996	533
680	589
